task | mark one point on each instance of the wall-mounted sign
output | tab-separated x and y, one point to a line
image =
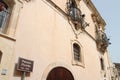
25	65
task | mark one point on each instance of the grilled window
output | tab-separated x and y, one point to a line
76	49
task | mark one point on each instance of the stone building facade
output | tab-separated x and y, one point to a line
65	39
116	71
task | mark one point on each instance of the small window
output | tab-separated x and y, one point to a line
4	15
102	64
77	54
0	56
76	50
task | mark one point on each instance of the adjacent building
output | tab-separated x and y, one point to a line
52	40
117	66
116	71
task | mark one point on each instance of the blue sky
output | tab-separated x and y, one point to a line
110	11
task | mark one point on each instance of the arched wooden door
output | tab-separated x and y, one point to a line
60	73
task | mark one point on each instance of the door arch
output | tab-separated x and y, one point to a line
60	73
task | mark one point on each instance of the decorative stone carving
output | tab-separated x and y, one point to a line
102	41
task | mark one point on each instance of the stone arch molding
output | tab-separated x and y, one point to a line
53	65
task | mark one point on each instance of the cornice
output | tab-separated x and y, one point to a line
21	1
7	37
95	12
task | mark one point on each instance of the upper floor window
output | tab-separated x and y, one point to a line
102	64
0	56
4	15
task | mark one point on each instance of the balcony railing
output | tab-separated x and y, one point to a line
76	15
102	41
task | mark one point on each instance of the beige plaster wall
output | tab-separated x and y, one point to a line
45	36
8	57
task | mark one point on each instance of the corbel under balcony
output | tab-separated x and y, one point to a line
97	20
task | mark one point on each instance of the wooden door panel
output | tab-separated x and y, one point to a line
60	73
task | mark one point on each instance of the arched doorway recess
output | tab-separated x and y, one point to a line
60	73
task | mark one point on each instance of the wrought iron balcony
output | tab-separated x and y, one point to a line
102	41
76	15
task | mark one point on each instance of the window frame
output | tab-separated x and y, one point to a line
5	14
14	6
81	61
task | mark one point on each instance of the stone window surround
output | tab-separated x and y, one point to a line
14	7
74	62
